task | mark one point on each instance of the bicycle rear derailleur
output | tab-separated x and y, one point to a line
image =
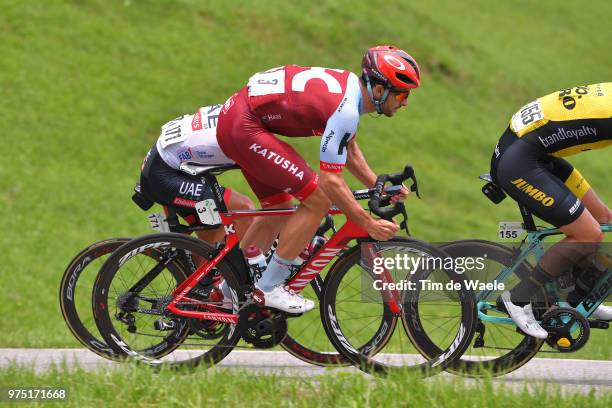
261	326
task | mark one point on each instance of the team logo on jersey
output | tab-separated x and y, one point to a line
563	134
278	160
270	117
575	207
185	156
191	189
229	103
569	103
533	192
196	122
327	139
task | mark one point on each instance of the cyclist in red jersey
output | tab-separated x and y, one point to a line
299	101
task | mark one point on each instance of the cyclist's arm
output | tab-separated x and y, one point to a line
339	193
358	166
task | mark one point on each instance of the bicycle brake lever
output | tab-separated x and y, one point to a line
404	224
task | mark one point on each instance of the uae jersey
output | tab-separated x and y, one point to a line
192	139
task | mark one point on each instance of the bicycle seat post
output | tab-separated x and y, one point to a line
527	218
211	181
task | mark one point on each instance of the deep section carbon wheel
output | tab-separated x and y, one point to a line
363	298
75	294
136	284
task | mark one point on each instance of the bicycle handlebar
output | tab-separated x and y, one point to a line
377	203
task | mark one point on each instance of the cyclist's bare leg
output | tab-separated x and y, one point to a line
582	237
264	230
301	226
596	207
239	201
294	236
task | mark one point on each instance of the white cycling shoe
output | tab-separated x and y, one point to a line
524	318
284	299
602	312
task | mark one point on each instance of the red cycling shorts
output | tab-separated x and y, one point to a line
274	170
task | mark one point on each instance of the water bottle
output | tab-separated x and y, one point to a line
257	262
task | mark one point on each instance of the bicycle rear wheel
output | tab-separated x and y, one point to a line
132	318
360	319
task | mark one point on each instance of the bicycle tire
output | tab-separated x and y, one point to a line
368	355
473	364
165	352
77	279
308	353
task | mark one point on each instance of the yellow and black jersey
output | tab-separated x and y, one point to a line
569	121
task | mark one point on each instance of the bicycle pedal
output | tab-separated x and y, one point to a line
598	324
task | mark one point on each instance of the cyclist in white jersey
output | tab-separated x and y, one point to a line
189	139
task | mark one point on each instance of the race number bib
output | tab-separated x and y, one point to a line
510	229
268	82
173	132
528	114
207	212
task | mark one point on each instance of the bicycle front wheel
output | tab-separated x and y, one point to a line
75	294
374	285
498	348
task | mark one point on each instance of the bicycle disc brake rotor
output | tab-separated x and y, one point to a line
261	327
568	330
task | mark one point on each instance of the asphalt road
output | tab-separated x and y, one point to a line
572	375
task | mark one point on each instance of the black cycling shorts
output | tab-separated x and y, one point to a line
173	188
550	187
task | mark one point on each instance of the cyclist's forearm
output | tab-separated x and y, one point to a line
339	193
358	166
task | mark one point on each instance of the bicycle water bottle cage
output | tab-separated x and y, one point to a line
140	199
492	190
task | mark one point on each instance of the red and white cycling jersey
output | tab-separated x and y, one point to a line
309	101
192	139
296	102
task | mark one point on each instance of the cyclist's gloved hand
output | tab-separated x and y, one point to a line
382	230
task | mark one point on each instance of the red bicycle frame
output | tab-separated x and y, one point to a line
309	271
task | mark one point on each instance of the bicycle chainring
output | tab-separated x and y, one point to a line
568	330
260	326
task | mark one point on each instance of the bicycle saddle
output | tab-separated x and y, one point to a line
199	170
486	177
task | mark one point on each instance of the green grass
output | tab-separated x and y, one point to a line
86	86
140	386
